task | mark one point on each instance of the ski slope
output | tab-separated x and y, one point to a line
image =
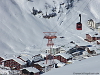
20	30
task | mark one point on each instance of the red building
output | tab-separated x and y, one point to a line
1	60
14	64
62	57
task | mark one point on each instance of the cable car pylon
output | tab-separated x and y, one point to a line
50	36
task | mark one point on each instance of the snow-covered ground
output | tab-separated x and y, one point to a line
21	32
89	66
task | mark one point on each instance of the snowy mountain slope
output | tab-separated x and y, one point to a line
88	66
20	30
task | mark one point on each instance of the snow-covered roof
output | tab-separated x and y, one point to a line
37	57
64	55
55	46
83	43
17	60
71	45
98	40
43	54
9	57
61	64
43	63
49	62
26	57
56	61
32	69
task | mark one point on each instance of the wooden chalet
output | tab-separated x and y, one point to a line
62	57
29	71
14	63
1	59
90	38
90	51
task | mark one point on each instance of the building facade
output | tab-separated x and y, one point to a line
12	64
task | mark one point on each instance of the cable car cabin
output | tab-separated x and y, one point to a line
79	26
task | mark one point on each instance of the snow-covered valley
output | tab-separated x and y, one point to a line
21	29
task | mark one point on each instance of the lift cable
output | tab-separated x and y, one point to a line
68	19
75	18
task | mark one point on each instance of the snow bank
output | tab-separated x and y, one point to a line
90	65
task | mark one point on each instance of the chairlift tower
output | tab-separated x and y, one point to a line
50	36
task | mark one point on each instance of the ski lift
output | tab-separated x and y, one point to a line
79	24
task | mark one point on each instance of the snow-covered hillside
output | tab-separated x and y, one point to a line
88	66
21	30
22	23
